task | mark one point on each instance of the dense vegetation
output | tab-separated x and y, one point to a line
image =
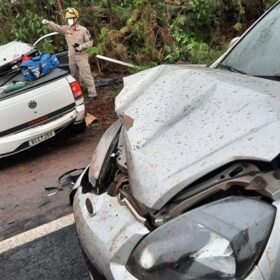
145	32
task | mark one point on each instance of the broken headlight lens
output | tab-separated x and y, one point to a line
221	240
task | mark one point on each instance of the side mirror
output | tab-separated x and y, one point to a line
233	42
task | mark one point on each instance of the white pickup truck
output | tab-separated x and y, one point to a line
40	109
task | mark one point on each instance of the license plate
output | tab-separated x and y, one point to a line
41	138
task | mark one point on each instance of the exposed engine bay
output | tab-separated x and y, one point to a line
254	180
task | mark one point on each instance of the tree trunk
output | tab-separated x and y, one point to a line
59	5
110	13
59	8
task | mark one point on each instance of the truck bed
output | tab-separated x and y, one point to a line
18	77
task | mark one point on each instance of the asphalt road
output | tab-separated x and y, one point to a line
54	256
31	196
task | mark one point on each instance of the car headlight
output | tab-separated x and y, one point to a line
221	240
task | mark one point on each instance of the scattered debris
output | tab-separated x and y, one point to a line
113	61
51	194
51	188
43	204
70	177
90	119
107	82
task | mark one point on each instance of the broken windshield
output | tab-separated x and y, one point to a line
258	53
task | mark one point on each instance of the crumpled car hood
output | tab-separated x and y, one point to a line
184	121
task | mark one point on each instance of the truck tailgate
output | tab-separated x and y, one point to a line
36	103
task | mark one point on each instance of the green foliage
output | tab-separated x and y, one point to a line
201	53
27	27
205	14
143	32
269	3
93	51
178	50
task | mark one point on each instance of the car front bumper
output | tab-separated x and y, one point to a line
17	142
109	235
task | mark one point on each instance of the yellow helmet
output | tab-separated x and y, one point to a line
71	13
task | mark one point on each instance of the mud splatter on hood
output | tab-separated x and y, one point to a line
185	121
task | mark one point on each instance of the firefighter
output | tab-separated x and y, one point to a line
78	40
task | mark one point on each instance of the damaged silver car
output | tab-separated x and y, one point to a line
186	184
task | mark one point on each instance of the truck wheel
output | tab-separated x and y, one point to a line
79	127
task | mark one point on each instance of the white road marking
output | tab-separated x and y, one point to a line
35	233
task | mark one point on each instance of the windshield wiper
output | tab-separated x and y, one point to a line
231	68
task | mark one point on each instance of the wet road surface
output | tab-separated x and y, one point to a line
54	256
30	196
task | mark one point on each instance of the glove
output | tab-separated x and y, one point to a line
78	47
44	21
